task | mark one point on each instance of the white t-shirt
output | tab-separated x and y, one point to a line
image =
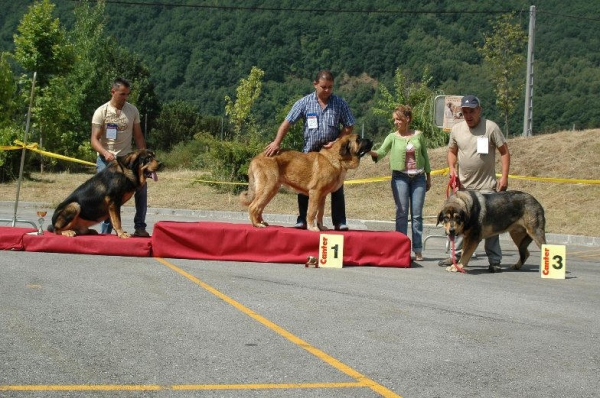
117	127
476	170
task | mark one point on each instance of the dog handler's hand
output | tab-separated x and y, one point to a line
502	184
271	149
329	144
109	157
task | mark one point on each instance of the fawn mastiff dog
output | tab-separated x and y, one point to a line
315	174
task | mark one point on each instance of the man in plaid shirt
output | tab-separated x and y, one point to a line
326	117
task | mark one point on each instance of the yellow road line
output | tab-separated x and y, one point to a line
176	387
362	379
265	386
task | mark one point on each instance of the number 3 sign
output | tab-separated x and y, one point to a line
553	261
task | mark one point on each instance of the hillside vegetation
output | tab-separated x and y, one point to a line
570	208
198	51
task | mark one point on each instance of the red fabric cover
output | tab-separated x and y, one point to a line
107	245
274	244
11	238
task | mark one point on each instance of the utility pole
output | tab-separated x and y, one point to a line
527	118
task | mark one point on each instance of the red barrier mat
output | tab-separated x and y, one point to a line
274	244
11	238
107	245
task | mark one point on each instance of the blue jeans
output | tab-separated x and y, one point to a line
409	194
338	207
141	203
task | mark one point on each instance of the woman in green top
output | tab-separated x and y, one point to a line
411	174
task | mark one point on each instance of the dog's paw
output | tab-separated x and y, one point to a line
516	266
124	235
456	268
69	233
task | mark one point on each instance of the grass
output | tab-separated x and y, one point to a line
570	208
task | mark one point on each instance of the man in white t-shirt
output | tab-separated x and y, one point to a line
472	158
115	125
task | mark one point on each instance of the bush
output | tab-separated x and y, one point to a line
10	161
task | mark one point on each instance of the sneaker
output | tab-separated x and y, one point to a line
448	261
300	225
341	227
418	257
141	232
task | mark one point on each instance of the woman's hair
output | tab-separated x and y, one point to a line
403	110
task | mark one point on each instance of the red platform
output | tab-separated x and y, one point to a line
108	245
222	242
11	238
274	244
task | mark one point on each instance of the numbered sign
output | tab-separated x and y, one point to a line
553	261
331	251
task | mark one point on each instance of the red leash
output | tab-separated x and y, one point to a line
453	186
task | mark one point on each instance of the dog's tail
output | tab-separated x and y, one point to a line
247	197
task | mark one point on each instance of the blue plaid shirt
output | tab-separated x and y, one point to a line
329	119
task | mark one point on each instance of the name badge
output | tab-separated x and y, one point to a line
482	145
111	131
312	121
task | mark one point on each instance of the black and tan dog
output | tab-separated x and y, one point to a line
315	174
102	196
477	216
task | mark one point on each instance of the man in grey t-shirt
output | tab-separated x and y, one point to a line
472	158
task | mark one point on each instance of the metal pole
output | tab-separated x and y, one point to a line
14	221
528	116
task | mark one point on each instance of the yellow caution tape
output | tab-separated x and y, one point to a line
34	147
552	179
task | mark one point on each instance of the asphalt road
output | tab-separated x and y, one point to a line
90	326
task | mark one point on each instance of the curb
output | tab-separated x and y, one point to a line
429	230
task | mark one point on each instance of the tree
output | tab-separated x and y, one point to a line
239	113
67	98
504	53
178	122
419	96
41	45
8	90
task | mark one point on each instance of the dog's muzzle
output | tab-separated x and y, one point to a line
365	146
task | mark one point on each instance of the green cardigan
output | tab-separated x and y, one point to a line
397	146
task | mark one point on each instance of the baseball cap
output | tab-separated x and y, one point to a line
469	101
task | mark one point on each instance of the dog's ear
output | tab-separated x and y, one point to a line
345	148
132	158
440	218
463	216
129	158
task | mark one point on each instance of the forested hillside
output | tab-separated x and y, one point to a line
198	51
